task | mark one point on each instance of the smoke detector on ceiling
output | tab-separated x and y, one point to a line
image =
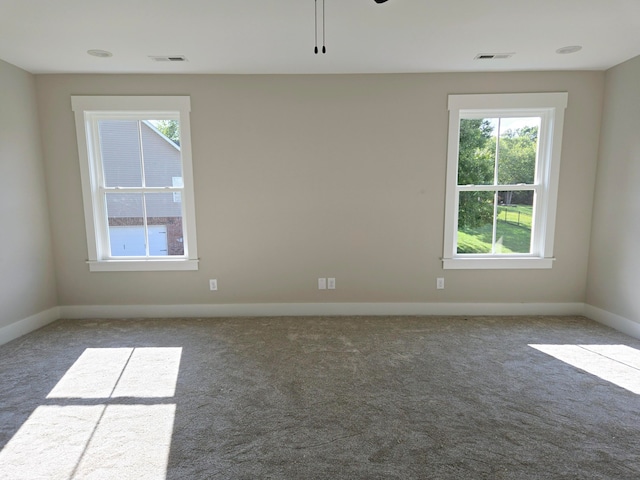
168	58
493	56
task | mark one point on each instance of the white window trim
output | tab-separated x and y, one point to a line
551	107
84	107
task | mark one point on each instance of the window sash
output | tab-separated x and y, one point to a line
500	188
102	189
102	222
537	188
104	229
495	217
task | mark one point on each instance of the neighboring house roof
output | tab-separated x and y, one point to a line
158	132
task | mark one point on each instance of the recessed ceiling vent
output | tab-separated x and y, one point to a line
169	58
493	56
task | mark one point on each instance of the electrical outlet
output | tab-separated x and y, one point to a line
440	283
331	283
213	284
322	284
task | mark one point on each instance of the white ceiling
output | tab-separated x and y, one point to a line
277	36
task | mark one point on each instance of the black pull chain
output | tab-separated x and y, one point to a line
324	49
315	50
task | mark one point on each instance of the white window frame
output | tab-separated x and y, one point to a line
87	111
550	108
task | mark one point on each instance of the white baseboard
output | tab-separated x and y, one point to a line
29	324
26	325
313	309
612	320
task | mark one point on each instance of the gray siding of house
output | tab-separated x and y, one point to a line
123	166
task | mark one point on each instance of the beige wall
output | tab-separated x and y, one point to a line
27	284
614	265
298	177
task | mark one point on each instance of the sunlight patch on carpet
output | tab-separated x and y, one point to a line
93	375
150	373
121	372
49	443
115	438
130	442
618	364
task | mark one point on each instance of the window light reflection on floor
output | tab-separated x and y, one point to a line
115	438
618	364
121	372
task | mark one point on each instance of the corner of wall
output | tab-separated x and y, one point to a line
28	325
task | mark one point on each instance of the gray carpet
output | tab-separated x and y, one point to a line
317	398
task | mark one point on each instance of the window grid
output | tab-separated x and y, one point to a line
496	187
104	190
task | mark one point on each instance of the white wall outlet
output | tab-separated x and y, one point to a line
213	284
440	283
322	284
331	283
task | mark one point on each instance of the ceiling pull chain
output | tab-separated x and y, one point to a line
315	50
324	49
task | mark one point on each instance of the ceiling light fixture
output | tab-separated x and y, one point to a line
100	53
569	49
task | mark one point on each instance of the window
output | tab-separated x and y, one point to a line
137	182
502	180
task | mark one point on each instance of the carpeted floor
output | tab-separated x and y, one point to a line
321	398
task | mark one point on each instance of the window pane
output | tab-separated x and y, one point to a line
475	222
477	151
126	224
161	152
518	148
120	150
164	217
514	222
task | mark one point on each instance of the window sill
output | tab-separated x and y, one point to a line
142	265
513	263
